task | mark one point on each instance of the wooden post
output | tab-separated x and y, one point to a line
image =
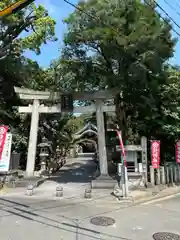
32	140
101	139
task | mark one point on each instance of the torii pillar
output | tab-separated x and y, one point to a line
31	156
104	180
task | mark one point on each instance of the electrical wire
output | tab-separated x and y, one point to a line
164	11
177	4
172	28
98	19
90	15
173	8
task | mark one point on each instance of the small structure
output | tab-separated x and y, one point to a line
134	167
87	135
60	158
137	170
59	191
89	130
88	193
30	190
132	155
45	151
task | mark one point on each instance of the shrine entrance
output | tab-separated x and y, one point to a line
86	138
36	107
87	145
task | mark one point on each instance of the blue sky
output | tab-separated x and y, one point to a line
58	9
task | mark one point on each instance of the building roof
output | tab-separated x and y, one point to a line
87	127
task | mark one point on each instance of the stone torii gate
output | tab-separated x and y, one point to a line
36	108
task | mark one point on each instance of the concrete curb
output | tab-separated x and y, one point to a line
151	196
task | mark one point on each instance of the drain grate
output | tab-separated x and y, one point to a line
166	236
102	221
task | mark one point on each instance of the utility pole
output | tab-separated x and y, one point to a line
15	7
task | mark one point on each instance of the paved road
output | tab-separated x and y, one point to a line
75	176
52	219
46	217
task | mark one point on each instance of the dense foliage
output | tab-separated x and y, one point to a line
29	29
106	45
126	46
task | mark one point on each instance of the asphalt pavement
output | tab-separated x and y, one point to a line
76	218
52	219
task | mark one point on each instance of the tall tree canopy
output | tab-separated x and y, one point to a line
126	46
29	29
39	27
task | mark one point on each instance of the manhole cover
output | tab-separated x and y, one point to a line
102	221
166	236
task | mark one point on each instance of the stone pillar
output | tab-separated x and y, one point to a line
171	176
178	173
152	178
101	139
162	175
175	174
158	180
167	175
32	140
144	159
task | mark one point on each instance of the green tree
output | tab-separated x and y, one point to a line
29	29
39	27
124	46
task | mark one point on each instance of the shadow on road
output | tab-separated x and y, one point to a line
73	228
76	172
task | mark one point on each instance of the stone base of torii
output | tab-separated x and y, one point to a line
35	97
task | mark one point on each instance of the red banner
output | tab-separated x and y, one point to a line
178	151
3	131
155	153
122	146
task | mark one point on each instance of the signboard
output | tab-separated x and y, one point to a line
177	151
66	103
133	148
6	154
3	131
155	153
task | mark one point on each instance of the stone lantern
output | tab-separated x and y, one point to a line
44	153
59	156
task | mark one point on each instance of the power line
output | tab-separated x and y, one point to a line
89	15
177	4
173	29
162	9
173	8
98	19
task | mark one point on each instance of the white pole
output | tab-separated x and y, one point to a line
126	181
122	181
